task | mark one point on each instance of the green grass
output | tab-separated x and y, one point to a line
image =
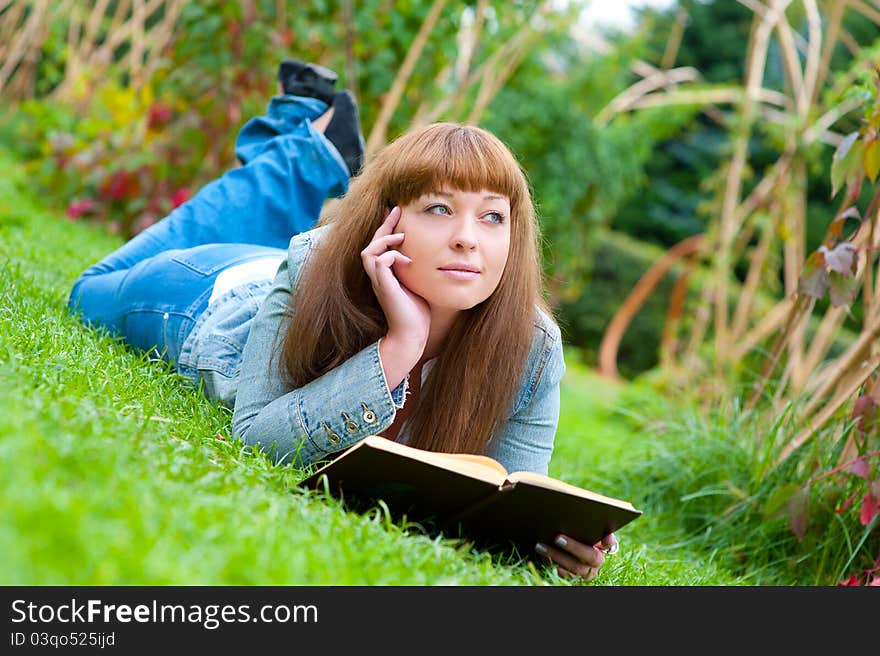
113	472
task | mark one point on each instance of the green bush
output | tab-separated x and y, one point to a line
619	262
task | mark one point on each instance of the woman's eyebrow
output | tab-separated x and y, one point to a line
448	194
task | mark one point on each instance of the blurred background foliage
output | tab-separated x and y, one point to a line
124	108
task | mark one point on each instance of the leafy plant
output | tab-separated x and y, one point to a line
138	105
761	220
833	269
123	165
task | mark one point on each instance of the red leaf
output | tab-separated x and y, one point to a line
777	505
120	185
814	278
866	408
861	468
179	197
233	27
870	507
799	512
841	258
158	115
77	208
851	581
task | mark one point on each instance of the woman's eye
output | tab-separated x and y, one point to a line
495	217
438	209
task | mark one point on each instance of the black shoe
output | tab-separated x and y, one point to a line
299	78
344	131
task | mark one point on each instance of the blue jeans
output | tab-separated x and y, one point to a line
152	290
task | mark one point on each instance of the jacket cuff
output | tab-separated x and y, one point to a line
360	403
399	393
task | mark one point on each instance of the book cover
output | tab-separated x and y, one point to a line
470	496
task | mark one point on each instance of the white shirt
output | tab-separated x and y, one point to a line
263	268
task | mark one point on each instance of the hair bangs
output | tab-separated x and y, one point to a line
445	156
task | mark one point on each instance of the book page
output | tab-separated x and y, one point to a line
555	484
476	466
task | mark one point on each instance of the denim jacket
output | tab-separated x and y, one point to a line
353	400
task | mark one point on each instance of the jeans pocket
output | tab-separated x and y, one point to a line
209	259
156	331
199	265
217	386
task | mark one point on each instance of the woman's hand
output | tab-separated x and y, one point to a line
576	559
407	314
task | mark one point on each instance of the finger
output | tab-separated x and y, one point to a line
381	244
564	573
394	216
389	223
583	552
388	258
609	544
384	276
567	561
370	254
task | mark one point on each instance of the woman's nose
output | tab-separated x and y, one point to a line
464	235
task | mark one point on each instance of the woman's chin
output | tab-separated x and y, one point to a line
448	305
444	298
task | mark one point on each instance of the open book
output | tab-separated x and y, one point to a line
470	495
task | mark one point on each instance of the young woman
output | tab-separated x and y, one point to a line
413	309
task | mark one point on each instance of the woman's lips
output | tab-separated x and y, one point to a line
459	274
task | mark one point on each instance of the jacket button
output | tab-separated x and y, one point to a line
350	426
369	415
333	437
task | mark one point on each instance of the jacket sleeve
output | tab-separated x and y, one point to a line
525	442
330	413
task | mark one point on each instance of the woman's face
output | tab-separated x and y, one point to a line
458	242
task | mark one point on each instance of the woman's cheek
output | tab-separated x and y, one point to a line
496	278
418	282
405	274
498	269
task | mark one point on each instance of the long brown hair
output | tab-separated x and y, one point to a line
469	390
